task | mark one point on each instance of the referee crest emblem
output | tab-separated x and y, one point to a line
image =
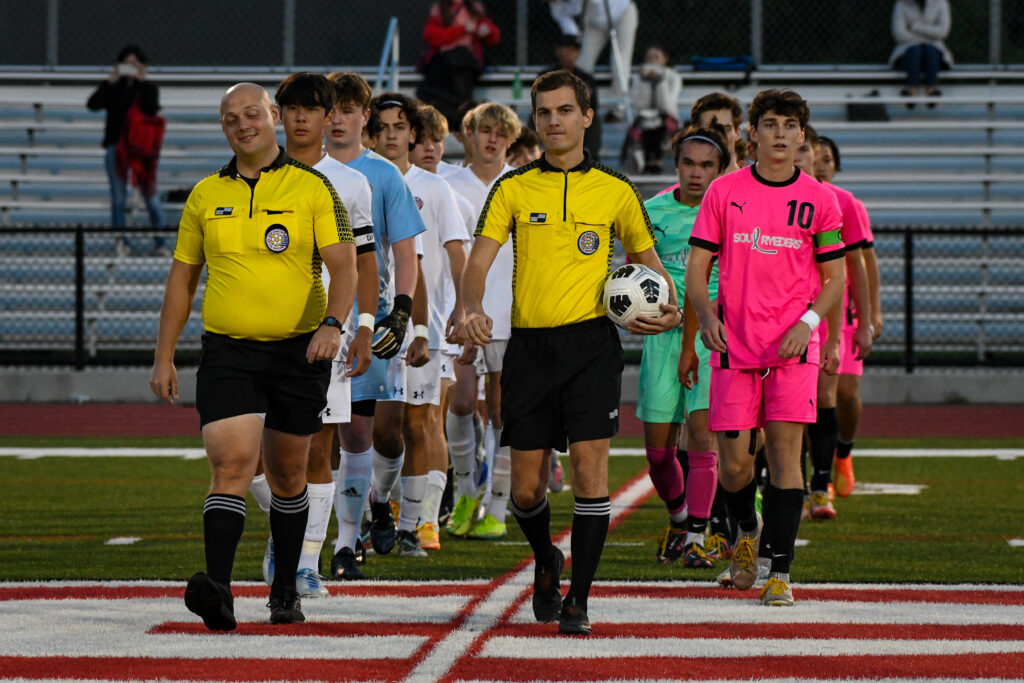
538	217
276	238
588	242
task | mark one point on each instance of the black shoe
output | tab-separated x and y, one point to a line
212	601
905	92
670	548
286	607
344	566
573	620
382	531
547	592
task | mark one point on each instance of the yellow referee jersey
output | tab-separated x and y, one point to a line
260	246
562	226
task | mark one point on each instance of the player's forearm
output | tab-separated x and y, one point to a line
341	265
405	266
649	257
859	286
182	281
697	291
474	281
874	281
833	282
457	266
690	324
420	305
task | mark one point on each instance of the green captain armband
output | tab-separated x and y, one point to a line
829	238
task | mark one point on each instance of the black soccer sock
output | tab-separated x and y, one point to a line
764	548
823	434
223	521
843	449
287	526
741	506
589	531
536	525
781	523
720	521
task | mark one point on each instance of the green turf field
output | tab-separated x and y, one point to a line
57	514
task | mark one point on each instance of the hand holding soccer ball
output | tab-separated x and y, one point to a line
636	299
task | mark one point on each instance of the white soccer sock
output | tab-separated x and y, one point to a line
436	481
260	490
462	446
352	487
492	437
386	472
321	497
501	479
692	538
413	491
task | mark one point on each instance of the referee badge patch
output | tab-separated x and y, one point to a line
276	238
223	211
538	217
588	242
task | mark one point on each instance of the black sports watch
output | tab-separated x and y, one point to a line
333	322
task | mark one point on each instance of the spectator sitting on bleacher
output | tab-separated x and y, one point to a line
655	93
919	27
127	85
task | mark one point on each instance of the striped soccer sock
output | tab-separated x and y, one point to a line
288	518
589	531
223	521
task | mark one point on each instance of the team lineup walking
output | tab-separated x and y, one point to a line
412	342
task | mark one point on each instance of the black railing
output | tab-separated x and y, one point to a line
90	296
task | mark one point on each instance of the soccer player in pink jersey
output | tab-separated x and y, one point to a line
855	342
777	235
848	405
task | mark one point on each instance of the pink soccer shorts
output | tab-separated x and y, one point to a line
744	399
848	363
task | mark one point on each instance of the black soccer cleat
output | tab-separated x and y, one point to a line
383	533
344	566
673	540
547	591
573	620
212	601
285	606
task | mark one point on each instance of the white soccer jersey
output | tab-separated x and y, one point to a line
498	287
445	223
444	169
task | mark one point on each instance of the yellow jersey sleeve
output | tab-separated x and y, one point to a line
190	247
496	219
632	224
330	218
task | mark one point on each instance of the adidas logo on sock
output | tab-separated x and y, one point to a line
350	492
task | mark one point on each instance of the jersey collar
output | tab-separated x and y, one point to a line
772	183
544	165
231	169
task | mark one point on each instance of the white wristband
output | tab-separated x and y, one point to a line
421	331
812	319
366	320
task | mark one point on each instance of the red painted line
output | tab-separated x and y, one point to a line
328	629
897	595
994	632
473	651
223	669
703	668
129	592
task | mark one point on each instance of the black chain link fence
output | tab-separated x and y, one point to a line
91	296
285	33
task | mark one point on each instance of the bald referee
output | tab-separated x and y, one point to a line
563	365
263	226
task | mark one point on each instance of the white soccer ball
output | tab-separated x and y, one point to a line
632	290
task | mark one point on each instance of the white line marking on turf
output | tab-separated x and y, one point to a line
123	540
999	453
447	652
801	542
591	648
1016	542
875	489
606	545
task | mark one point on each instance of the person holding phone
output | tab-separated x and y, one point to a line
126	85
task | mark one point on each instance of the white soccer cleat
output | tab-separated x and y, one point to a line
308	584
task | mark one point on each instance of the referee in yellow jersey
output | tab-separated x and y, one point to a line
263	225
563	365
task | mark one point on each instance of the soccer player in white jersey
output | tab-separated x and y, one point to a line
371	445
443	251
491	130
306	101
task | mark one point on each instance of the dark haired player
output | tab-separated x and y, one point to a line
777	235
664	401
563	367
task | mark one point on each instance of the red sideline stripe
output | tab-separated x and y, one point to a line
224	669
329	629
998	632
703	668
842	594
135	592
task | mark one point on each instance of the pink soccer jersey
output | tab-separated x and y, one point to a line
769	237
868	242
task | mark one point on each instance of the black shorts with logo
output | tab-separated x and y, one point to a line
242	376
561	384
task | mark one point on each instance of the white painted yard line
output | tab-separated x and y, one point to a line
998	453
847	678
867	488
610	544
1016	542
593	648
483	618
123	540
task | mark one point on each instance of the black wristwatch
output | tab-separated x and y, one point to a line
333	322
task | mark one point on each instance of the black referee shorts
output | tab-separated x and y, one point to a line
561	385
242	376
